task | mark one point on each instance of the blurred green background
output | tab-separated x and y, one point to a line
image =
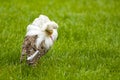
88	47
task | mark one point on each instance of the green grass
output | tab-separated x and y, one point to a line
88	47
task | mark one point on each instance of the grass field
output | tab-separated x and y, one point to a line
88	47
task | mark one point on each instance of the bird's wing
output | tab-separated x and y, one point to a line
33	58
29	44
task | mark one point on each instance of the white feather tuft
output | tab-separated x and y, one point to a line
39	26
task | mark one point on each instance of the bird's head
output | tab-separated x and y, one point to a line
50	26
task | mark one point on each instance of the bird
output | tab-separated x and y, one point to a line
40	36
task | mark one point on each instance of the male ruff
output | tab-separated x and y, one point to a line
39	38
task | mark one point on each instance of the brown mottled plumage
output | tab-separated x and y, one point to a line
29	48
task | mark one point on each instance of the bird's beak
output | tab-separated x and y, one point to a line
49	32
